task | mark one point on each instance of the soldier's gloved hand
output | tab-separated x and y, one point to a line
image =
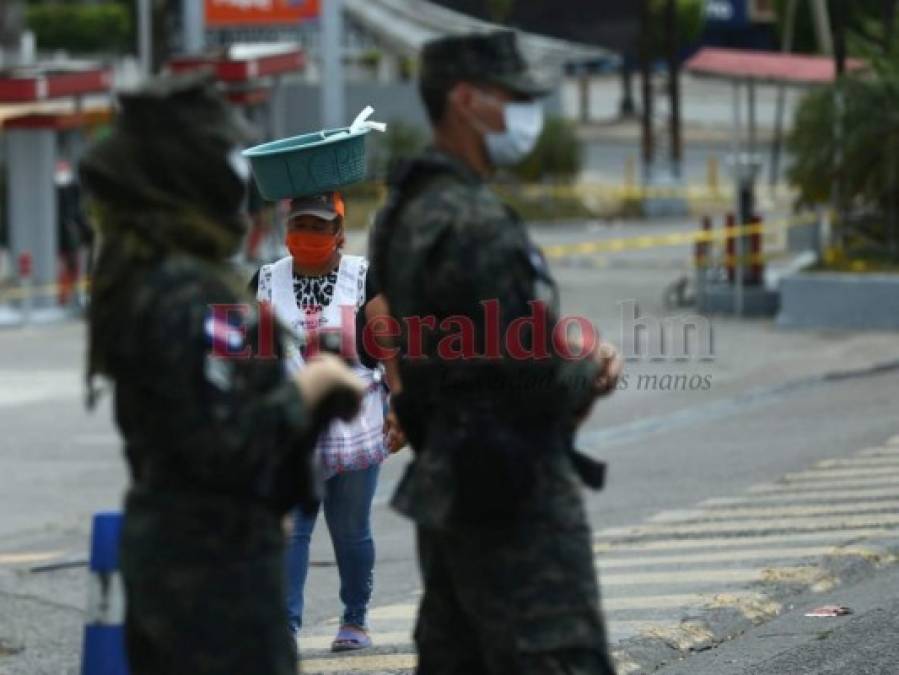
326	382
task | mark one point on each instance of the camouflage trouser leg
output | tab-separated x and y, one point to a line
218	618
501	603
567	662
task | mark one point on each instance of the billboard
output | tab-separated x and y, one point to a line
232	13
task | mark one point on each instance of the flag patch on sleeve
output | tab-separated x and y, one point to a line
224	333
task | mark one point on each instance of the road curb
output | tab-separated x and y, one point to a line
713	625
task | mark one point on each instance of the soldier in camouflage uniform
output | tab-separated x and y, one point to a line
504	543
218	439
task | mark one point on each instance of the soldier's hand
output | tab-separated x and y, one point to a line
327	380
609	364
610	367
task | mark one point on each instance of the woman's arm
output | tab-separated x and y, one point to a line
378	307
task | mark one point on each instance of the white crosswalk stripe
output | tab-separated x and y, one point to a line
681	577
876	460
794	524
831	474
859	495
677	563
810	486
712	543
885	451
722	513
607	562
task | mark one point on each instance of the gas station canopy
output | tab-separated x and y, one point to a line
243	63
28	85
765	67
46	104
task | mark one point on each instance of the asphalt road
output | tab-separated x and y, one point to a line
765	414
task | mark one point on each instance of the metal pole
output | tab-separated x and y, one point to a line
701	258
738	275
193	22
275	109
627	107
822	26
145	37
333	95
737	140
11	29
737	168
584	88
674	87
787	47
750	102
839	52
646	75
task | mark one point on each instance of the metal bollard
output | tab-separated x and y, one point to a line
730	248
26	268
701	262
756	263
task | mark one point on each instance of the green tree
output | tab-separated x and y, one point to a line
862	18
80	28
690	23
848	134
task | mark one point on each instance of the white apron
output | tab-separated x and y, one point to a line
345	446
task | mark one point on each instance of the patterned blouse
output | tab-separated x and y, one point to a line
314	293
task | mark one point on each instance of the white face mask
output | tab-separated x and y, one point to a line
524	122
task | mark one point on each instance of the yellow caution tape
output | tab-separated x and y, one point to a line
23	292
698	192
617	245
643	242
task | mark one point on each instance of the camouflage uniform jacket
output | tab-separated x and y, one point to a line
490	434
199	428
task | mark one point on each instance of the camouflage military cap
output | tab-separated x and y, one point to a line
479	57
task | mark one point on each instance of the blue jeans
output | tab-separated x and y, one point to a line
347	501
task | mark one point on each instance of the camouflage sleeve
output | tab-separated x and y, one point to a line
231	417
486	256
475	253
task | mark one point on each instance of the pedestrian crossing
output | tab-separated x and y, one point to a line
737	553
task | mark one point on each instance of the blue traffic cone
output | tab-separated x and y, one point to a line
104	632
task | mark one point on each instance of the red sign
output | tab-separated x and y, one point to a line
259	12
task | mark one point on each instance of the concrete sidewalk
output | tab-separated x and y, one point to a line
865	642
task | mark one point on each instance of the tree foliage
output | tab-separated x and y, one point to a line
847	134
862	17
690	22
80	28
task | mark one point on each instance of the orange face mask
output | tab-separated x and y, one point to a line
311	249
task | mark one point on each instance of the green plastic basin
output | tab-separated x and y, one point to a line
308	164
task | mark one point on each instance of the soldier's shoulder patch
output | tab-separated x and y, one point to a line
224	329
